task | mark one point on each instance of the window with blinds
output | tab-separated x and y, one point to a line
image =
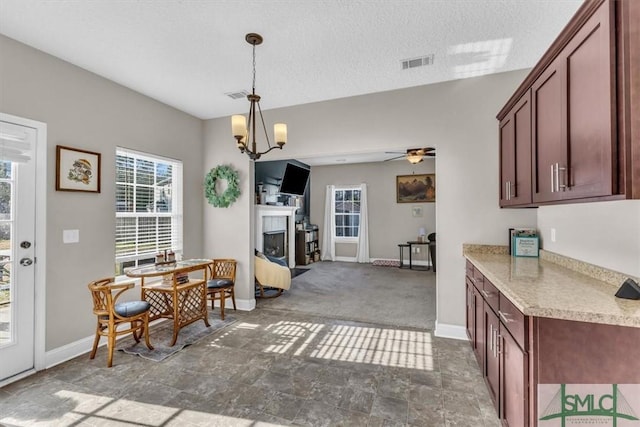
148	208
347	212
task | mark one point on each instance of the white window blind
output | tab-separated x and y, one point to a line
15	143
148	207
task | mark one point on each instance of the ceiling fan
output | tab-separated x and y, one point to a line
414	155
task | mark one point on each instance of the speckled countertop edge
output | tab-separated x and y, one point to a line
556	287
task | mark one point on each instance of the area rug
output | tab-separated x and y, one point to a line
161	335
297	271
386	263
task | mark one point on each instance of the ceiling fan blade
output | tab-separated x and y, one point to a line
393	158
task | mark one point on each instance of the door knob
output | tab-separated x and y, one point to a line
26	262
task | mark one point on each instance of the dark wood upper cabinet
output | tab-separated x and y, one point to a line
591	109
515	155
582	97
548	132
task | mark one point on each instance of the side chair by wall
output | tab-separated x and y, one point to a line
221	283
111	313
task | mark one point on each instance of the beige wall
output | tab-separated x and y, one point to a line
605	233
390	223
458	118
86	111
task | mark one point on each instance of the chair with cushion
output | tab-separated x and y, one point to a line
111	314
432	249
271	274
221	283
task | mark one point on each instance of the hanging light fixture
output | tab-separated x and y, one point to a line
414	158
239	128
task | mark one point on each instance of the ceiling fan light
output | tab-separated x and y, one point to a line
414	158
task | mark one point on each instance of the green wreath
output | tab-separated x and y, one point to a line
230	194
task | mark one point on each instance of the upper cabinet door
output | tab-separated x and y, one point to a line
507	158
591	116
549	105
515	155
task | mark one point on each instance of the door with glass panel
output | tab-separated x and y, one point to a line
17	232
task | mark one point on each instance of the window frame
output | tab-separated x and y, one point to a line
345	239
175	213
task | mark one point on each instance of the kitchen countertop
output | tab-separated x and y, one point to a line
556	287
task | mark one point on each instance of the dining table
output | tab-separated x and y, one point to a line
176	290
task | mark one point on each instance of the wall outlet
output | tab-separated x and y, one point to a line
553	234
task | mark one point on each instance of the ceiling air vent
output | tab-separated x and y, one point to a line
417	62
237	95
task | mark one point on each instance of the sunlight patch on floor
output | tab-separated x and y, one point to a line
357	344
91	409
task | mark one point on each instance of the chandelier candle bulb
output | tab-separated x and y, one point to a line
239	126
280	133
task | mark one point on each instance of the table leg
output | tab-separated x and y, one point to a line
410	257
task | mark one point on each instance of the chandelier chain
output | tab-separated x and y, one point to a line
254	69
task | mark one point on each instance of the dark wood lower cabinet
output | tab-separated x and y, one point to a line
515	393
517	353
492	356
503	361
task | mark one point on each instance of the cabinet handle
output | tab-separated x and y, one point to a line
553	181
495	343
491	339
486	294
504	317
506	190
511	192
563	169
498	344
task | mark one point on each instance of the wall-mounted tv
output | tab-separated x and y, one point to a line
294	180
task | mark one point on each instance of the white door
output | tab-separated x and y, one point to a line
17	252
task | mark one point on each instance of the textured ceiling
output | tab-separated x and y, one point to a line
189	53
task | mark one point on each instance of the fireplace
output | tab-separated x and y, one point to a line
274	243
262	213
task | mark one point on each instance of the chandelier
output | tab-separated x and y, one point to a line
244	134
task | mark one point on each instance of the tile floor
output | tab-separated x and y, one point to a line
269	368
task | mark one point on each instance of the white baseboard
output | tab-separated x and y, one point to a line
69	351
243	304
455	332
345	259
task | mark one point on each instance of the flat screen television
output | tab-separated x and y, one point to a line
294	180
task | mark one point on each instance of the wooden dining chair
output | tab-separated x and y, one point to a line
221	283
111	314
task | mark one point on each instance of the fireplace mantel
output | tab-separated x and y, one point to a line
289	211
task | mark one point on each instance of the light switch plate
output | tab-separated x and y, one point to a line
70	236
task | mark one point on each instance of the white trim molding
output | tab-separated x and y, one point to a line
455	332
40	237
287	211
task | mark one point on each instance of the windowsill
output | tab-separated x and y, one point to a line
346	239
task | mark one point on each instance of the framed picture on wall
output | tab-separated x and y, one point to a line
416	188
77	170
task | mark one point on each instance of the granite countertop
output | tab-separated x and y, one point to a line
556	287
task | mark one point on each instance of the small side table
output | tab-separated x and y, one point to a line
402	246
411	245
